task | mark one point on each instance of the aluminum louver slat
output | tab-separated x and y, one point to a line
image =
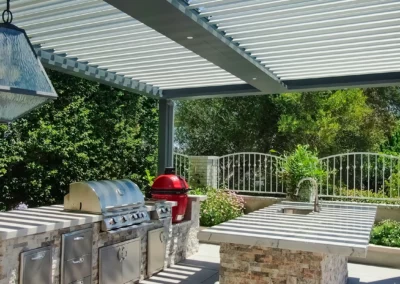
309	39
95	33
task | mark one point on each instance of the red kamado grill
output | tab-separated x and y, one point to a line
172	188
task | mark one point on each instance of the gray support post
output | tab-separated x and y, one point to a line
165	135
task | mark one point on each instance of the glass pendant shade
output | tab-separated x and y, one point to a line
24	84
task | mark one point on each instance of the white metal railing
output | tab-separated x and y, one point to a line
358	175
251	172
182	165
361	175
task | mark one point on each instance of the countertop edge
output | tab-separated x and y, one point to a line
56	225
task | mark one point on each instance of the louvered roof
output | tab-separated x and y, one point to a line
177	48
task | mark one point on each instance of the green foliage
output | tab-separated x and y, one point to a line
332	122
226	125
220	206
301	163
386	233
200	191
361	196
90	132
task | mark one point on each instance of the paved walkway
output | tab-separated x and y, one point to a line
202	268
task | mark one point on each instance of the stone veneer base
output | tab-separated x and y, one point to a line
242	264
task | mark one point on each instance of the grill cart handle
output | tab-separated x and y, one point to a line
124	206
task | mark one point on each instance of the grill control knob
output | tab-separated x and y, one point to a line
123	219
112	221
143	215
134	216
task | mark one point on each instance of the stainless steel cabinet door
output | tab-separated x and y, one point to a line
76	244
120	263
156	250
36	266
110	266
131	264
76	269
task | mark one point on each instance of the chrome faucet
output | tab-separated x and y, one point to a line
314	183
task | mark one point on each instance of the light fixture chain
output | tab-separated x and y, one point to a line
7	15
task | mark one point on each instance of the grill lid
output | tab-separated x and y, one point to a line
170	182
101	197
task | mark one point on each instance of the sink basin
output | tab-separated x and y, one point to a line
297	211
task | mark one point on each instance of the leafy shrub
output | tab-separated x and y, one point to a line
386	233
220	206
302	163
200	191
361	196
90	132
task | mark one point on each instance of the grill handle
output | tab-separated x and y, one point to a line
115	208
80	260
39	255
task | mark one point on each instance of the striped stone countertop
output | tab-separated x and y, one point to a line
20	223
342	229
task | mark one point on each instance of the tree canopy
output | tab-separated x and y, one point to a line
330	122
90	132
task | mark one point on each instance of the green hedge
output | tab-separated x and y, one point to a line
90	132
386	233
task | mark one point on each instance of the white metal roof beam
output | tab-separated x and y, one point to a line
375	80
69	66
175	20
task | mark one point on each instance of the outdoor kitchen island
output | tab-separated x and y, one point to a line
33	242
288	243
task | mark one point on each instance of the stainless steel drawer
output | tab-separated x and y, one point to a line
157	242
36	266
76	244
76	269
121	263
87	280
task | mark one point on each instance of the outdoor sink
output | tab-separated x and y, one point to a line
297	211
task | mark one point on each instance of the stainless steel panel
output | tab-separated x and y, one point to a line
131	264
36	266
157	242
87	280
76	269
120	263
76	244
110	268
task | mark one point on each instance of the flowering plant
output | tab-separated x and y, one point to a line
21	206
220	206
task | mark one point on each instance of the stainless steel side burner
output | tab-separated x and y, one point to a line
120	202
160	210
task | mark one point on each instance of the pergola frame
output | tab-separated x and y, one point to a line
142	45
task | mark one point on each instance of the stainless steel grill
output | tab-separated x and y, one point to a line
120	202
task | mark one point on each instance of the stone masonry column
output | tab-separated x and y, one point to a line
242	264
204	170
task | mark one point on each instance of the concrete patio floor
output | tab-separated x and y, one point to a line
202	268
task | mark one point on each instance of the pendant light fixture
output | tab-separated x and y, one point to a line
24	84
